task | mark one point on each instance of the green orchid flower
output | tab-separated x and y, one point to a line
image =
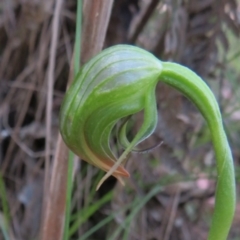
121	81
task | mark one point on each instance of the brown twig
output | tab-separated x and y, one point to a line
48	230
50	82
172	215
96	16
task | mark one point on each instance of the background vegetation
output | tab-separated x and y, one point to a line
170	194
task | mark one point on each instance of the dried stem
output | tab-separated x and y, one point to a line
96	18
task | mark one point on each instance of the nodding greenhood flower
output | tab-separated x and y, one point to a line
121	81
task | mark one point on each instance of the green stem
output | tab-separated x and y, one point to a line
69	194
186	81
78	38
6	212
77	54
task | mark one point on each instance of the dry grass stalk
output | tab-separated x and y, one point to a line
53	205
96	18
96	15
